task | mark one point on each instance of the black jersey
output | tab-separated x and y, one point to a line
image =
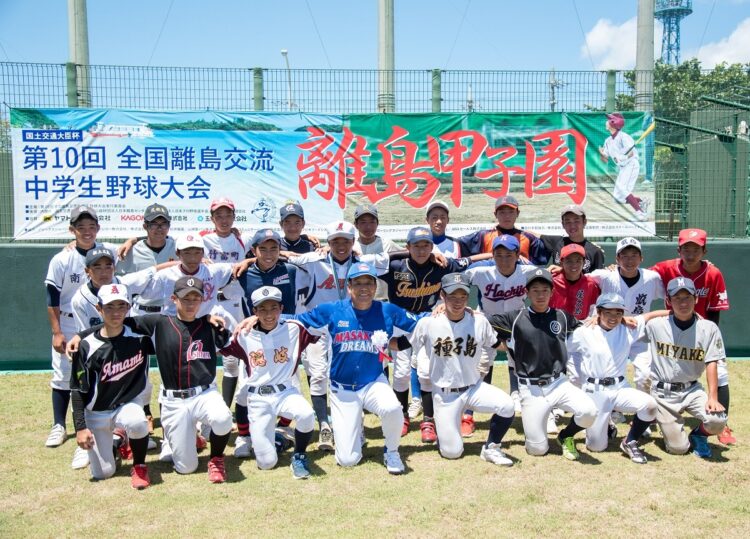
594	259
185	351
301	245
536	340
108	372
416	287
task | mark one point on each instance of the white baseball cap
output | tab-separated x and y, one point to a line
628	242
265	293
340	229
186	241
113	292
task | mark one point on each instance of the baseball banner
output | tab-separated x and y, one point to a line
120	161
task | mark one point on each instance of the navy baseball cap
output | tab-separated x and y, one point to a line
82	211
419	233
359	269
455	281
540	274
265	293
187	284
365	209
155	211
680	283
96	253
506	201
291	208
507	242
610	301
265	234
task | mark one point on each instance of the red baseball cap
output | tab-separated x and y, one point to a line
571	249
692	235
221	202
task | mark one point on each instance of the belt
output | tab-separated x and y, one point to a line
149	308
184	393
609	381
541	382
454	389
221	297
675	386
66	315
347	387
266	390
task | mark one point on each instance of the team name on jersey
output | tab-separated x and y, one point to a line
75	277
111	371
448	346
329	283
701	292
195	352
640	304
281	279
403	290
680	352
578	309
356	340
220	256
402	276
495	292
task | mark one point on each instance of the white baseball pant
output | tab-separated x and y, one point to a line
60	362
640	355
315	361
130	417
625	182
402	369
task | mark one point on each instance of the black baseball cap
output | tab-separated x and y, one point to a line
187	284
96	253
82	211
455	281
154	211
291	208
365	209
540	274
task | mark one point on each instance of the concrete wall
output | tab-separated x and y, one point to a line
25	333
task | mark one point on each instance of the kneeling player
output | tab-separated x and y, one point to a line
272	352
453	344
109	373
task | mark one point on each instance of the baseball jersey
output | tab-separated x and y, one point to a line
85	300
355	359
141	256
67	272
230	249
709	284
638	298
293	281
479	242
617	145
498	293
681	356
447	246
380	245
593	259
300	246
416	287
185	351
273	357
328	288
577	298
536	340
454	348
598	353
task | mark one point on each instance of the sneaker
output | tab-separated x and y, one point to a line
405	426
216	471
645	205
700	446
569	450
467	426
393	462
493	454
165	455
56	436
325	441
611	432
640	216
415	408
516	401
80	459
200	443
139	477
551	424
299	467
281	443
121	442
726	436
429	436
243	447
151	444
618	418
632	450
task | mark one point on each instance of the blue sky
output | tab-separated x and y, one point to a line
458	34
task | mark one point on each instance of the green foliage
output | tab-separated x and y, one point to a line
31	118
201	125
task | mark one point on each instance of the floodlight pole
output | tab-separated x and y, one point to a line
285	54
386	60
644	57
78	48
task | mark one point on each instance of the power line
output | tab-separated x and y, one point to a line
710	13
585	40
320	38
158	38
458	32
7	58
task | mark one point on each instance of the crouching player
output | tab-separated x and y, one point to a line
452	344
272	352
109	373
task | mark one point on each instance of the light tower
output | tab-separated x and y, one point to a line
670	13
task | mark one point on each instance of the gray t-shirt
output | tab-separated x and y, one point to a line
141	257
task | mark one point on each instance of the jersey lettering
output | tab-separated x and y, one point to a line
682	353
111	371
495	292
329	283
425	289
447	346
195	352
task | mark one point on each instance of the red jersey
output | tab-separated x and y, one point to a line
574	298
709	283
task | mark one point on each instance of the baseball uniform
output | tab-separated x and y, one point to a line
616	147
140	257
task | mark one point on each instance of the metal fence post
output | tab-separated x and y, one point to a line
72	86
611	99
258	88
437	99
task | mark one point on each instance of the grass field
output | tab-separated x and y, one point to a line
602	495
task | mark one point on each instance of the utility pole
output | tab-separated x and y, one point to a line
78	46
386	61
290	102
644	57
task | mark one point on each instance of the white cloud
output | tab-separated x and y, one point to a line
732	49
612	46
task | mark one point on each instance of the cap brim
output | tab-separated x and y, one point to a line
82	215
363	274
185	291
674	292
340	235
112	299
459	286
611	306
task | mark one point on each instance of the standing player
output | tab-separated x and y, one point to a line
536	339
619	147
369	243
573	219
438	218
292	223
683	346
574	292
272	352
109	373
65	275
453	344
711	293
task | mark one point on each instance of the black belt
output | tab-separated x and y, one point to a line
266	390
675	386
609	381
541	382
454	389
149	308
184	393
221	297
66	315
347	387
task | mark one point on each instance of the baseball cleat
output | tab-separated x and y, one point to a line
120	439
405	426
166	452
493	454
467	426
300	469
569	450
139	477
393	462
617	418
632	450
80	459
700	446
242	447
325	440
726	436
429	436
216	471
415	408
200	443
645	204
56	436
551	424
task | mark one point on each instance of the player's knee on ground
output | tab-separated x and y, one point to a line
676	440
266	460
597	444
185	464
537	449
305	422
105	472
451	450
220	421
348	460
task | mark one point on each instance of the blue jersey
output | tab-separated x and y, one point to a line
300	246
355	361
293	281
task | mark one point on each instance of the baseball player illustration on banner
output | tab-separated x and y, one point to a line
620	147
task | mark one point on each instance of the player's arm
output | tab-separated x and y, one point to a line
471	244
80	386
144	324
573	345
53	314
537	253
712	379
502	324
